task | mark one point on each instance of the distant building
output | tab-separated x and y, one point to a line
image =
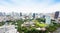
33	15
36	15
8	29
1	14
59	15
12	14
56	14
4	14
1	18
30	16
51	15
20	14
43	16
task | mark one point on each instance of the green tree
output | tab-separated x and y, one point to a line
41	20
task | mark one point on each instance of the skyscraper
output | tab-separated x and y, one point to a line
56	14
33	15
1	13
43	16
20	13
4	14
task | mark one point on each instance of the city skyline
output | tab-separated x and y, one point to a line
28	6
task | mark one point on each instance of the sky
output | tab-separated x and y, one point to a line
28	6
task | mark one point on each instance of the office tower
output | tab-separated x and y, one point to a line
56	14
4	14
33	15
1	14
43	16
16	14
20	13
59	15
12	14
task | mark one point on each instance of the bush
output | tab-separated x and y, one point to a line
32	30
51	28
2	23
40	24
41	20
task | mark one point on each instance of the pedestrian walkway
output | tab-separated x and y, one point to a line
57	31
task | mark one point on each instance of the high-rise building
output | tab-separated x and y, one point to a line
33	15
59	15
4	14
16	14
43	16
20	14
1	14
56	14
12	14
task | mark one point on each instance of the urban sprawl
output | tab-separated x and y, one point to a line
14	22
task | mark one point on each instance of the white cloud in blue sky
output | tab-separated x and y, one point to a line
30	5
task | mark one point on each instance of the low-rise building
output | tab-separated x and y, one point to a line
8	29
